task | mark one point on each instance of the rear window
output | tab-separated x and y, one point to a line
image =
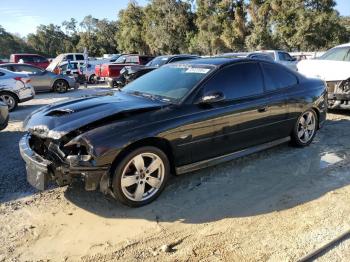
79	57
276	77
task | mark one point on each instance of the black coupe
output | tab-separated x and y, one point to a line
173	120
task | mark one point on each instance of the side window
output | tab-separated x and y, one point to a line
70	57
276	77
237	81
27	69
79	57
336	54
39	59
26	59
284	56
132	60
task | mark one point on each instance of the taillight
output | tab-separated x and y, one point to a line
24	80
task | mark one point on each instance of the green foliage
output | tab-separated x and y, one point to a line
10	44
203	26
130	36
166	25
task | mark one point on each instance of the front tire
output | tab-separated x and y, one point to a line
141	176
305	129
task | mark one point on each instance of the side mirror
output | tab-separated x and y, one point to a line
212	97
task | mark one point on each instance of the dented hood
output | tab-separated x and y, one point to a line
56	120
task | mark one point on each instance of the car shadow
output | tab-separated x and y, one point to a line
269	181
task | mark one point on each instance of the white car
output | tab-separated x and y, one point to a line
79	69
333	67
15	88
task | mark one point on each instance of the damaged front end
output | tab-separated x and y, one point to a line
339	94
61	161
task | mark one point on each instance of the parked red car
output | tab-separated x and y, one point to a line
110	72
32	59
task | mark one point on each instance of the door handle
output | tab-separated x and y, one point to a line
263	109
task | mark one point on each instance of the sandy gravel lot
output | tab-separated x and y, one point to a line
277	205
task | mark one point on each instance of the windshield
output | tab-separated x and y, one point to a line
121	59
171	82
336	54
158	61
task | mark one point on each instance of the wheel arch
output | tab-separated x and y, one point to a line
318	114
157	142
59	79
4	91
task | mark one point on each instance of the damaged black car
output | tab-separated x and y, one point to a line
173	120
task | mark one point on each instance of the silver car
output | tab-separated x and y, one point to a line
43	80
15	88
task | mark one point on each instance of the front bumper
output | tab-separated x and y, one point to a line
338	97
41	171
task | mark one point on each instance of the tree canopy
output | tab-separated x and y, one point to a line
192	26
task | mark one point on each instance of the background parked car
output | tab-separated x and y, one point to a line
277	56
132	72
54	65
32	59
4	115
334	68
15	88
260	56
110	72
77	68
43	80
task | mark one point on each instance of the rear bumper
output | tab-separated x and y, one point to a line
26	99
41	171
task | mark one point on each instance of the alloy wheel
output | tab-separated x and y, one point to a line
61	87
9	100
306	127
142	177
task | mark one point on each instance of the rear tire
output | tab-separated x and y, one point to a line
141	176
305	129
92	80
10	99
61	86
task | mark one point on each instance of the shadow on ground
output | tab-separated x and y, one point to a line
13	182
274	180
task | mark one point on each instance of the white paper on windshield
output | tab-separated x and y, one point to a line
197	70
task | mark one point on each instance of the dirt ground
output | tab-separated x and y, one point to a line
278	205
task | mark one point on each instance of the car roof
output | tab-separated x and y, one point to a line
17	64
213	61
179	55
343	45
25	54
